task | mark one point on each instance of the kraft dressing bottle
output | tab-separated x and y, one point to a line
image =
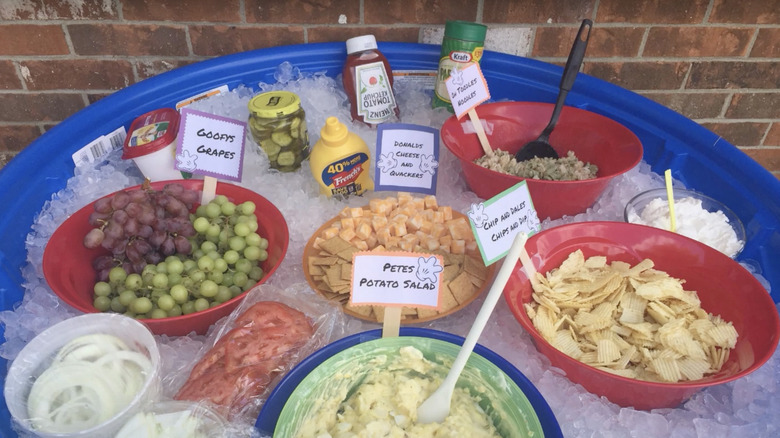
340	161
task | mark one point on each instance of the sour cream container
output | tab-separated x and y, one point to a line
151	144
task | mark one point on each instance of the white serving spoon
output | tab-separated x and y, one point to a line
436	408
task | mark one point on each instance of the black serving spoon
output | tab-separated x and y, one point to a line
541	146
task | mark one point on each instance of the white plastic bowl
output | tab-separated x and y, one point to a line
37	355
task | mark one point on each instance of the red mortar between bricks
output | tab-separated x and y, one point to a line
714	61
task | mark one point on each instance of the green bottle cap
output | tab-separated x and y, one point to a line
465	30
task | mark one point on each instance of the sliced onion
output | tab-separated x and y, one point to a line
91	379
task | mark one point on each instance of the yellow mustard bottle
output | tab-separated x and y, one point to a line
340	161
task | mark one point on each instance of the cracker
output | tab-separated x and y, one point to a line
462	288
334	245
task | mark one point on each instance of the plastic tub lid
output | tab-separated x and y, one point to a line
151	132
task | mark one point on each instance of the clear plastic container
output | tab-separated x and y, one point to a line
38	355
700	218
174	418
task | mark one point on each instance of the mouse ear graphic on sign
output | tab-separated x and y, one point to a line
186	161
428	269
387	162
477	214
428	163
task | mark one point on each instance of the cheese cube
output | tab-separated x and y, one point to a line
372	241
378	221
430	202
406	245
379	248
418	204
363	231
398	229
347	222
344	212
438	217
330	233
415	222
430	243
404	198
383	235
459	229
359	244
411	238
317	241
347	234
381	206
458	247
399	219
438	230
393	242
447	210
356	212
426	226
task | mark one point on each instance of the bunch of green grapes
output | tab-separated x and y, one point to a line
223	263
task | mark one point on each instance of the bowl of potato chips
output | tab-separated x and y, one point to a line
640	315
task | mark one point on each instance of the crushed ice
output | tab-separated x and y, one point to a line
745	407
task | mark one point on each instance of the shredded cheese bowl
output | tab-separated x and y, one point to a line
713	283
396	374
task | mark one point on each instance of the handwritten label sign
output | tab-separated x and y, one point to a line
390	279
497	221
210	145
467	89
408	158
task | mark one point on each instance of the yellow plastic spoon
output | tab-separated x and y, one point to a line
670	198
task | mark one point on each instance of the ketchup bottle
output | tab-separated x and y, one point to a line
368	81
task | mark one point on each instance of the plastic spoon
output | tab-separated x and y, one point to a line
541	146
436	408
670	198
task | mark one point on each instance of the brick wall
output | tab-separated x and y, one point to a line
715	61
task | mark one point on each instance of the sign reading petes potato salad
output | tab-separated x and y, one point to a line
394	280
210	145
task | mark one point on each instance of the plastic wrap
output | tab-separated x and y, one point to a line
247	353
40	353
176	419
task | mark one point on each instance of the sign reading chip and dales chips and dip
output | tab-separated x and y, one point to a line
499	219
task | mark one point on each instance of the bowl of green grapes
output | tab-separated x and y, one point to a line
155	253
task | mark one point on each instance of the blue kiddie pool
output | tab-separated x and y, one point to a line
699	158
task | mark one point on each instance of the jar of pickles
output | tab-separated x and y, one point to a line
278	125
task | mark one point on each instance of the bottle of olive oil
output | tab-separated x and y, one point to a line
340	161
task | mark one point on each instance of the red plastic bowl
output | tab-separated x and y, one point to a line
68	269
724	287
593	138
